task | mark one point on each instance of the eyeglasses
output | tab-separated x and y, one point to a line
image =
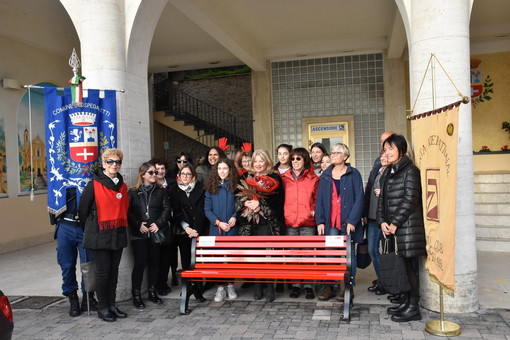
152	173
186	174
113	161
182	161
296	159
335	153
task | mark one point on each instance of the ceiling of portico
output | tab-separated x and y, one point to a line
194	34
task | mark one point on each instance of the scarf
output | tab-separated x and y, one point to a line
112	206
187	188
336	208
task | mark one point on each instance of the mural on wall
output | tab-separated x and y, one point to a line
490	80
32	151
481	89
3	162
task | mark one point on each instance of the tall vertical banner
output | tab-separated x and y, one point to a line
435	143
76	136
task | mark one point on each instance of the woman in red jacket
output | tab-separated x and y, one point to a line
300	184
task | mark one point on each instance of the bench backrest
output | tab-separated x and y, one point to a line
277	252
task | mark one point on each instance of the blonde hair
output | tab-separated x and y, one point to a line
264	155
111	152
341	147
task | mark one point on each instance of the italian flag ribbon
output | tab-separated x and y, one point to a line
77	88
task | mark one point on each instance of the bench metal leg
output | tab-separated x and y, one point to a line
185	296
348	295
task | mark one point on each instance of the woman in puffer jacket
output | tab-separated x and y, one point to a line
300	184
400	213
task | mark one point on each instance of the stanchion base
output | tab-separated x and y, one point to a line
447	329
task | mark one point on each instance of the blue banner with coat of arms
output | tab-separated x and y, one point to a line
76	136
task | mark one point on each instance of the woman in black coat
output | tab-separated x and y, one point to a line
189	217
149	210
400	213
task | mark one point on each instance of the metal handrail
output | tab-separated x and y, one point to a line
203	116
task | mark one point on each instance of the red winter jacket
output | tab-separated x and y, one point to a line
300	196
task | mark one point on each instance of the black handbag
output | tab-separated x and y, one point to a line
393	274
162	237
363	258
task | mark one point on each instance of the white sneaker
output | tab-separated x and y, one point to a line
231	292
220	294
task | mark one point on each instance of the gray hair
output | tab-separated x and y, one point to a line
341	147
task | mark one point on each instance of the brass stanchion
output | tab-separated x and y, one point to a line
442	327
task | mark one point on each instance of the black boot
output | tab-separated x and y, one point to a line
91	304
397	309
74	309
257	295
106	315
410	313
137	299
153	296
270	292
118	313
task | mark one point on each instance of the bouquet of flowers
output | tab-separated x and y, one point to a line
255	188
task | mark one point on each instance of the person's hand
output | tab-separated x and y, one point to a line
253	205
153	228
385	229
191	232
320	229
377	192
364	220
232	222
392	228
143	228
224	226
350	228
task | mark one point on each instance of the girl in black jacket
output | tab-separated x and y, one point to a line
400	213
149	210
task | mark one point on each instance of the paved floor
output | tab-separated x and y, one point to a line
34	271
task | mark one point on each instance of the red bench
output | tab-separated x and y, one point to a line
307	259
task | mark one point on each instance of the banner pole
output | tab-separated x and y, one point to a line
441	327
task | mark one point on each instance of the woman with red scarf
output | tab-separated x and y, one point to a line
103	215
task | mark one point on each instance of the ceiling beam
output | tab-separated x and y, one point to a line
219	25
397	39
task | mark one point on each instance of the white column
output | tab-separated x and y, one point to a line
115	37
442	28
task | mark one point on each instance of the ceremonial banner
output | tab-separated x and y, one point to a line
435	145
76	136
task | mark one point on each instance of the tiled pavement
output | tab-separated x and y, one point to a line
245	319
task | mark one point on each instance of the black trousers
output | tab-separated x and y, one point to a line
167	260
145	255
107	274
412	276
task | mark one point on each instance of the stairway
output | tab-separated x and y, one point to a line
209	122
492	212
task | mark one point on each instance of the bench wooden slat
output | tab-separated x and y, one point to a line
265	274
273	252
267	244
220	259
251	266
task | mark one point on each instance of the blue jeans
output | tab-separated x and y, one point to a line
69	238
374	240
334	231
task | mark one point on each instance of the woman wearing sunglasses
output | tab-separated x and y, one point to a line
300	184
103	213
149	210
